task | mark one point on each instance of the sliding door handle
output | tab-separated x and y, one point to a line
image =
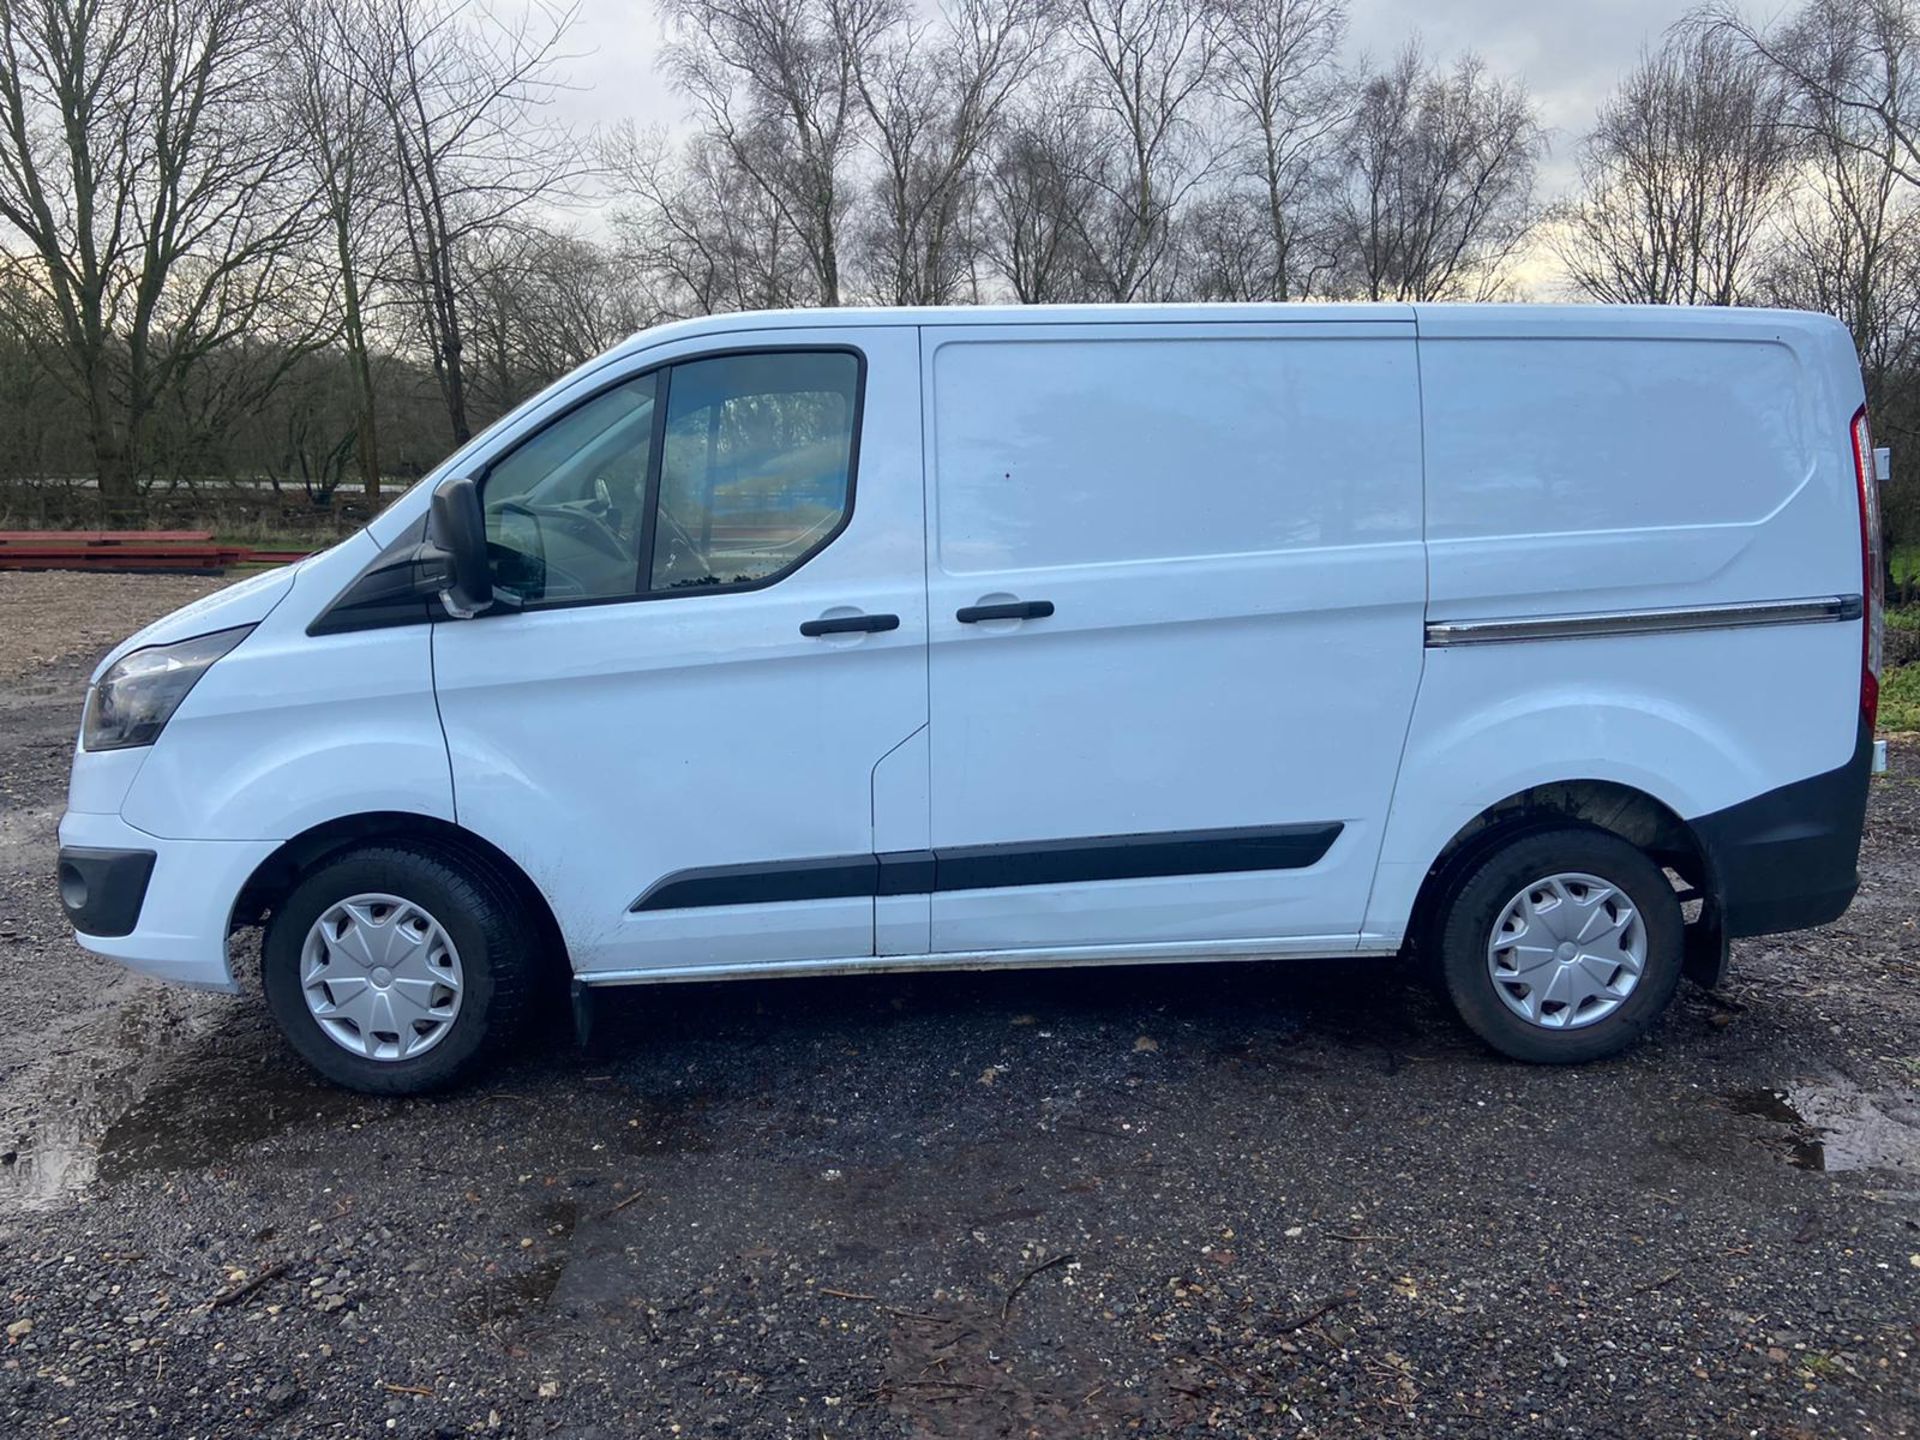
1011	610
845	624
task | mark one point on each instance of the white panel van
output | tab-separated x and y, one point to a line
1544	639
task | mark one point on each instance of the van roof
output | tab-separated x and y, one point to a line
1596	321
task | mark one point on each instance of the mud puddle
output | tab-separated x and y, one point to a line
1836	1126
140	1087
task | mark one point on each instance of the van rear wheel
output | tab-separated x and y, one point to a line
1562	945
392	969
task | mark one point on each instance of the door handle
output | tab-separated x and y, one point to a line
1012	610
843	624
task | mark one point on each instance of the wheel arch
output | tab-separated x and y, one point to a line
274	878
1641	819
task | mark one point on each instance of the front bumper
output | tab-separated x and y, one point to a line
102	890
1790	859
178	926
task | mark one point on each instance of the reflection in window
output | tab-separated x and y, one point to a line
754	474
564	510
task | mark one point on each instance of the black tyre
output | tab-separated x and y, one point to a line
394	968
1562	945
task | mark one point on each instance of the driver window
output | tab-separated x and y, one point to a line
755	467
564	509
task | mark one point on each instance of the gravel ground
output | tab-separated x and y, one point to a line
58	615
1230	1200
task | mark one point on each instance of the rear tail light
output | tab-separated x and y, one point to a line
1872	568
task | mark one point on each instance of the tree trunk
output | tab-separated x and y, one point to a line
366	434
1277	221
829	264
366	431
112	464
446	304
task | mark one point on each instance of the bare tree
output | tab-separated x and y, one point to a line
1846	236
1679	178
474	151
773	82
336	121
542	304
1034	191
1437	190
1278	79
1848	242
1845	244
1853	58
1148	65
37	415
934	96
1229	248
154	201
704	237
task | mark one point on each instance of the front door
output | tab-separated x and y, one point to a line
1176	583
720	631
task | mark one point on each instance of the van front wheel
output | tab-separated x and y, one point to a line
391	969
1562	945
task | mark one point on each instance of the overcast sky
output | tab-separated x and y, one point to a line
1569	52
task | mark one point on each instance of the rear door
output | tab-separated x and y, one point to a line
1176	585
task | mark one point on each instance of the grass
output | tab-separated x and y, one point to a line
1900	699
1906	564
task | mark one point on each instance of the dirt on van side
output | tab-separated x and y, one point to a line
1223	1200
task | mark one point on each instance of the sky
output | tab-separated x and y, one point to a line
1569	52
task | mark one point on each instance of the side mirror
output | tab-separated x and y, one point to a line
457	529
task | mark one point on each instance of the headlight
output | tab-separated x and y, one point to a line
139	693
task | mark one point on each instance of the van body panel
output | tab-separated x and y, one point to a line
99	783
611	747
1198	612
1617	463
902	813
1240	708
1647	460
290	731
1670	715
1674	464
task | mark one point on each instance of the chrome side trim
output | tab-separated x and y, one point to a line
1441	633
1310	947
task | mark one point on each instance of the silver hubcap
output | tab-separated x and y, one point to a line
381	976
1567	951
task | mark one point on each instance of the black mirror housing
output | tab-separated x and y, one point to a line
457	528
438	566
